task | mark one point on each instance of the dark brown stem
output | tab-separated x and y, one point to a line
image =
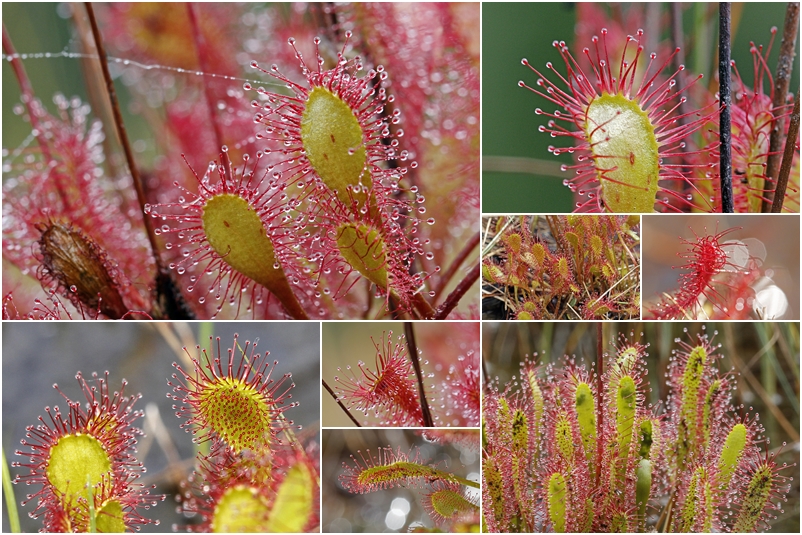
455	265
121	132
454	297
725	126
788	159
785	65
200	48
99	103
343	407
409	333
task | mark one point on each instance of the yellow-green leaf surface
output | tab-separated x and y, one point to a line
625	152
332	138
237	412
363	248
294	504
237	234
557	500
77	461
241	509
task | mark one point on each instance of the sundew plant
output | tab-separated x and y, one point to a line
730	267
632	94
291	161
401	480
84	465
561	267
402	375
631	443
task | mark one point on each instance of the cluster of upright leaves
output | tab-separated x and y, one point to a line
389	393
445	495
327	204
572	453
589	271
252	479
85	463
640	131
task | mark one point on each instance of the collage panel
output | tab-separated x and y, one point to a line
615	107
161	437
722	266
215	170
649	426
556	267
253	161
401	374
400	480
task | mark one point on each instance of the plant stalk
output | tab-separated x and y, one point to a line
725	126
8	488
122	133
340	403
788	159
28	99
422	306
782	79
456	263
409	332
454	297
200	48
599	399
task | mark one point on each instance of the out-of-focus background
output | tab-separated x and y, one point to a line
38	354
393	510
519	175
774	238
764	357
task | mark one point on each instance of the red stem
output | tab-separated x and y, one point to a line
456	263
200	48
29	100
788	159
422	306
785	65
599	398
121	132
454	297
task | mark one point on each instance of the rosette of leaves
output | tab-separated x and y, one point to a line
561	267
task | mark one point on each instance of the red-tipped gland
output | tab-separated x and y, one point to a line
389	391
239	406
85	455
237	230
708	256
623	130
